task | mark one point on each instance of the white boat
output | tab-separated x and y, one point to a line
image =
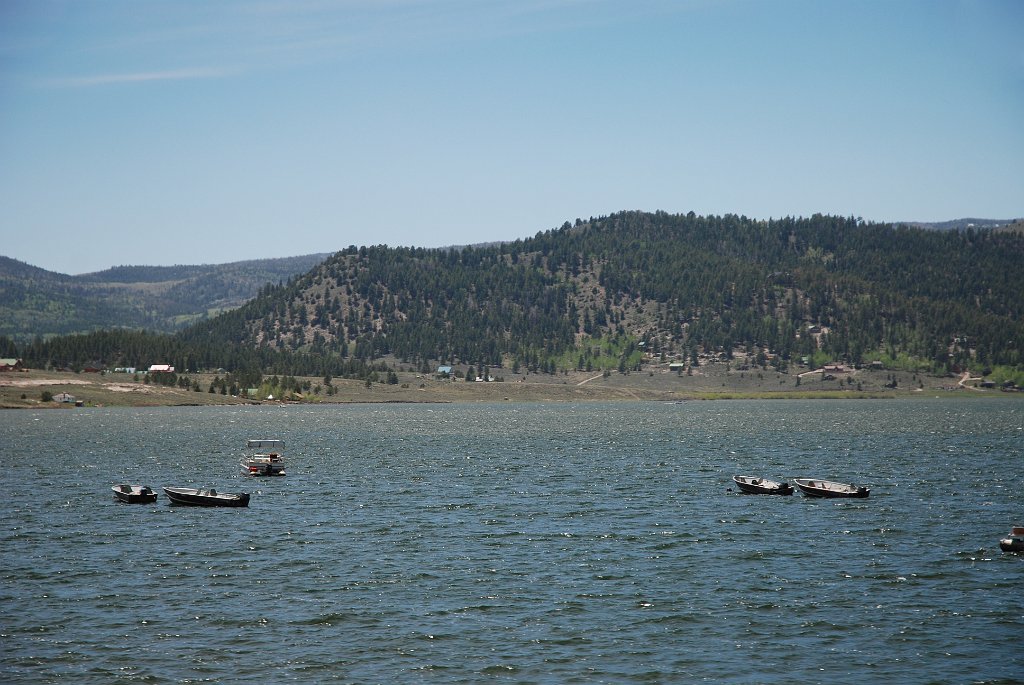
263	458
755	485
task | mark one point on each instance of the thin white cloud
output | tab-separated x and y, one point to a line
142	77
280	34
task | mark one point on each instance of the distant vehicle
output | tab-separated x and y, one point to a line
814	487
134	494
755	485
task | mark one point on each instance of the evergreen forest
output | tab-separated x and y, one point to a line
607	292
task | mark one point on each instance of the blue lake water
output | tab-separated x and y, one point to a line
516	543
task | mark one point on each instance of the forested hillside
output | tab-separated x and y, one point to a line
683	284
35	302
612	291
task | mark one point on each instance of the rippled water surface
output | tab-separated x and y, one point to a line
537	543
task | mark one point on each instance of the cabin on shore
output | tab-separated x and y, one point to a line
11	365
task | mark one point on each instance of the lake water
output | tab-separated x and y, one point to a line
516	543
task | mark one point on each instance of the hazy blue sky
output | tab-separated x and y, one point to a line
151	132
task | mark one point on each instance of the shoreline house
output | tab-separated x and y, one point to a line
160	368
11	365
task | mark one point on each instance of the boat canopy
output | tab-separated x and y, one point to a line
265	445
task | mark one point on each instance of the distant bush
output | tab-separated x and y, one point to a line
47	396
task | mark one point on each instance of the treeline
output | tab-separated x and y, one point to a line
140	349
685	286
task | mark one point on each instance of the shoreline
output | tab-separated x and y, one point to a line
24	390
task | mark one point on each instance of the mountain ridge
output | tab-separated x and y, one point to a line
686	284
962	224
36	302
611	291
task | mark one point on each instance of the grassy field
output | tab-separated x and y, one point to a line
26	389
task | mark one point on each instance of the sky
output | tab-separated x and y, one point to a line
184	132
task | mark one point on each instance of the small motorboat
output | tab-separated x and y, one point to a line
814	487
206	498
755	485
264	458
1014	542
134	494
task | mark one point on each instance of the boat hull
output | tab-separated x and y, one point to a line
134	494
1012	544
206	498
754	485
262	468
813	487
